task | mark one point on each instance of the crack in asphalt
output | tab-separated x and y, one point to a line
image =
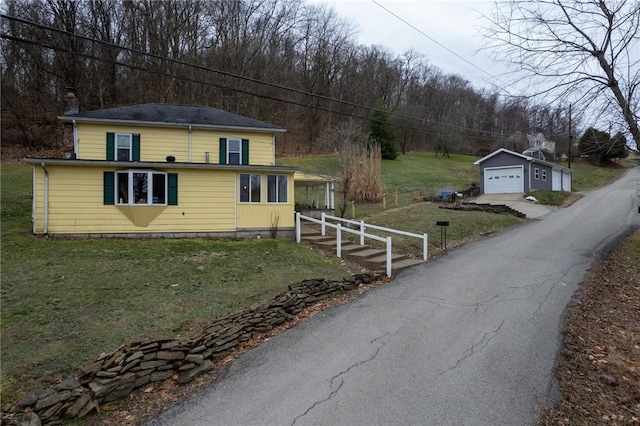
342	373
482	344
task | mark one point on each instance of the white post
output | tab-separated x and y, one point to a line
425	249
323	227
339	241
298	232
362	232
389	257
333	194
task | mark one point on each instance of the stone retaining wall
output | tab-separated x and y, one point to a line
116	374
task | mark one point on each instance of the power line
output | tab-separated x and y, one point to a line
418	30
228	74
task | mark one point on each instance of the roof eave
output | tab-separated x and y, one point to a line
68	118
157	164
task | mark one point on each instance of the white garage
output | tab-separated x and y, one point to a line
504	180
508	172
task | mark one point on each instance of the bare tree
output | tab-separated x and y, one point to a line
580	50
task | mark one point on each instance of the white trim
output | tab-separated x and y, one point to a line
115	146
240	193
178	125
228	151
75	140
521	167
277	190
130	192
33	201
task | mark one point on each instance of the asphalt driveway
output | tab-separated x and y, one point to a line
468	339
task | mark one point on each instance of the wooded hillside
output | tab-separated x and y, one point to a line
296	65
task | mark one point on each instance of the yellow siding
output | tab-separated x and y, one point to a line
264	215
156	143
207	202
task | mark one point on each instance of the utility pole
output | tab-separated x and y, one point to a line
570	138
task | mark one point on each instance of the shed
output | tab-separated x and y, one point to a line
507	172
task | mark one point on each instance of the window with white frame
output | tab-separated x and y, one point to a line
536	173
234	151
277	188
140	187
250	188
544	175
124	147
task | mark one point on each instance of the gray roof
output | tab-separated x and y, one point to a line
526	157
173	115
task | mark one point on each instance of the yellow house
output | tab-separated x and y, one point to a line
166	171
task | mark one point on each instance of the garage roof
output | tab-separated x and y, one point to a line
530	159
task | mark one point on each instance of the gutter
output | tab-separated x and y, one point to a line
46	198
75	140
274	130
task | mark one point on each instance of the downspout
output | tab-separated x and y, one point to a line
33	200
46	198
75	140
189	148
274	149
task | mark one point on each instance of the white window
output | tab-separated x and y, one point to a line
544	175
124	147
140	187
234	151
277	188
536	173
250	188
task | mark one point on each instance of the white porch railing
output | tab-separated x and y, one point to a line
361	232
364	226
339	228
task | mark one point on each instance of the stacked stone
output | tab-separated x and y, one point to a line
116	374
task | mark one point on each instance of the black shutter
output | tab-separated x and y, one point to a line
223	151
245	151
111	146
172	189
109	188
135	153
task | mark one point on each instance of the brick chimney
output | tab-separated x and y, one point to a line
70	102
70	107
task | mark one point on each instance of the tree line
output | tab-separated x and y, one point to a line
285	62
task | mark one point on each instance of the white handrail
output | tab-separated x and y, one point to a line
363	226
339	230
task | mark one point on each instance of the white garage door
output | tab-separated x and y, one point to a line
556	180
504	180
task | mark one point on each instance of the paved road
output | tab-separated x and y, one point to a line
468	339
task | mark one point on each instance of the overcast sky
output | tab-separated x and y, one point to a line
451	23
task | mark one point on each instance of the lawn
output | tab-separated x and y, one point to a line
64	301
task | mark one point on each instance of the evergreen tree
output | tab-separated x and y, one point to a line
381	131
600	146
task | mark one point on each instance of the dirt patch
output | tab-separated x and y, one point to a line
599	370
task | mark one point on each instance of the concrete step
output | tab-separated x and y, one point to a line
370	258
317	239
404	264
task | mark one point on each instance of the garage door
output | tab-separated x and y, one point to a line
504	180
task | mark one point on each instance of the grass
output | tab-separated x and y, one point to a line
552	198
420	218
409	177
586	176
64	301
